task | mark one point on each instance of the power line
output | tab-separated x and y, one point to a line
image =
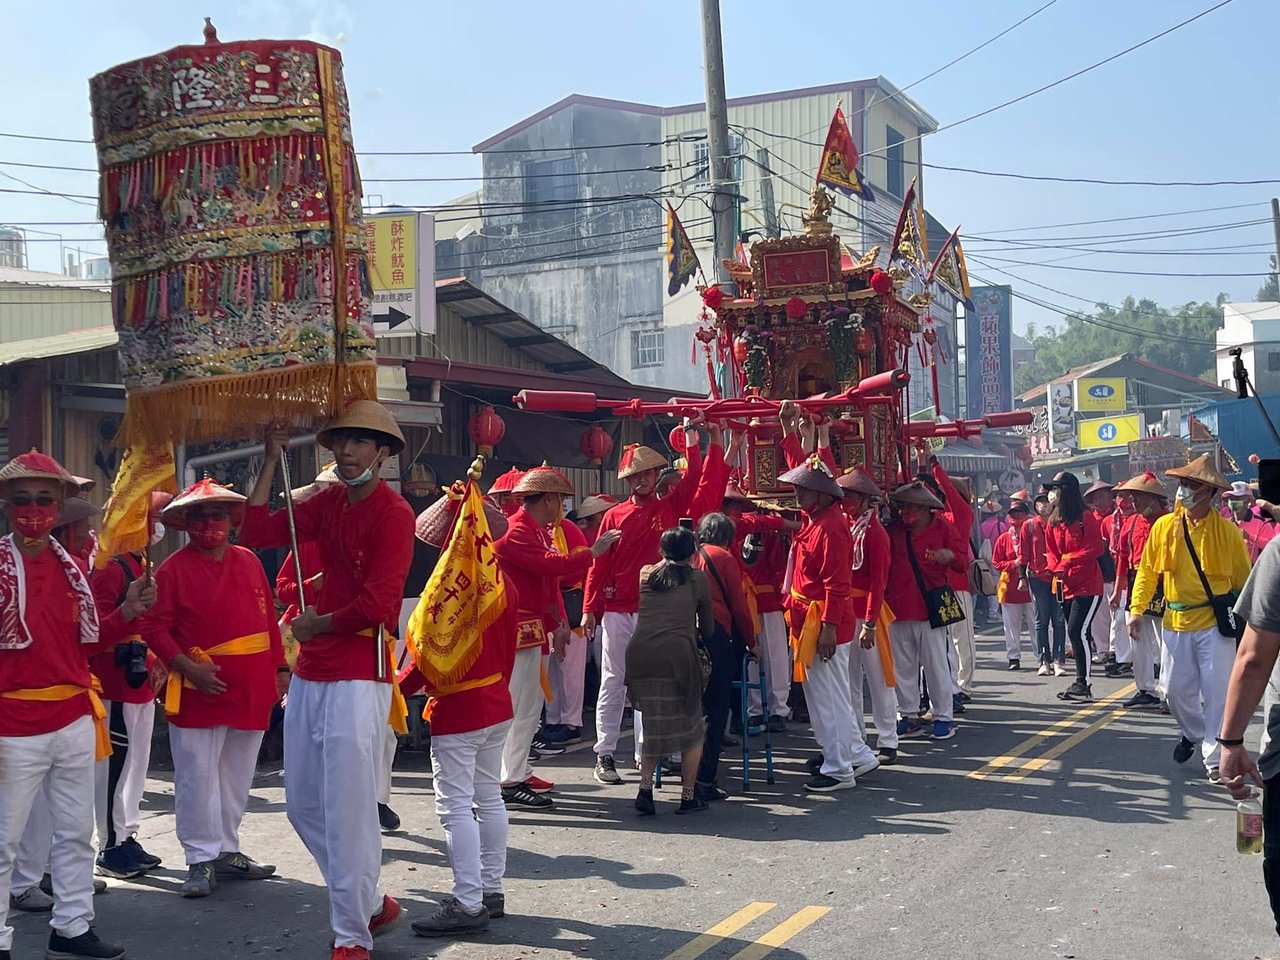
1144	216
1127	273
1091	180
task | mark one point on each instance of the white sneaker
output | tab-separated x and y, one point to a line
1059	669
1044	671
31	900
865	768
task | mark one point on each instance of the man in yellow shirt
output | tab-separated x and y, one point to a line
1201	656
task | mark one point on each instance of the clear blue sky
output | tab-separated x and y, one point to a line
1197	105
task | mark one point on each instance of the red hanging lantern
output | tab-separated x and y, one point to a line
713	297
740	348
881	283
486	430
676	438
796	308
596	444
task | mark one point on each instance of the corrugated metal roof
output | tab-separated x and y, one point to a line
63	345
39	278
476	307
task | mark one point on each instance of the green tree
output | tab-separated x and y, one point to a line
1271	289
1181	338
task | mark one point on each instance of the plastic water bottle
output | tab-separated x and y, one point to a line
1249	825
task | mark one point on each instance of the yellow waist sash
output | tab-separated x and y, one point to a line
239	647
398	716
804	637
753	603
68	691
453	688
883	644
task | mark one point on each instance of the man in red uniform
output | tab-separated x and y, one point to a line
1012	591
215	629
1150	502
130	703
530	561
925	550
613	584
959	513
872	656
51	721
820	613
340	697
1035	558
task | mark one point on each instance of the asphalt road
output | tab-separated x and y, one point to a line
1089	842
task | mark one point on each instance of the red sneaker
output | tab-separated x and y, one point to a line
538	785
350	953
384	920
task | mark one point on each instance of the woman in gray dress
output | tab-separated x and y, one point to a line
664	670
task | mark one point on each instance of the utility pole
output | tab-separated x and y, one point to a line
766	195
720	165
1275	226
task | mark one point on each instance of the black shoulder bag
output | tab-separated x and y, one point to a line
1229	625
941	602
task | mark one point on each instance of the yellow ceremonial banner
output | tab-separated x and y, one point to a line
125	526
462	598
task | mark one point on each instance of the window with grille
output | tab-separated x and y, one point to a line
648	348
895	157
701	153
550	181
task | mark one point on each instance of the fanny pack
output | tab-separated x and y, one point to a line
942	604
1229	625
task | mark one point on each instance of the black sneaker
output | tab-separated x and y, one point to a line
450	920
148	860
495	903
821	783
85	945
644	803
888	756
1080	692
691	806
388	820
1117	670
201	881
546	749
709	792
1015	664
957	705
606	772
239	866
964	697
522	796
777	724
117	864
1142	699
1182	752
814	764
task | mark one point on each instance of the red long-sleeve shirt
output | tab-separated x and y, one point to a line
822	570
766	573
959	513
109	587
731	611
56	655
530	561
1005	558
873	576
1031	548
287	578
614	581
1073	551
903	593
365	552
203	602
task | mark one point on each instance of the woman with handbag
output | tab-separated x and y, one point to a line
1073	543
734	634
925	550
667	667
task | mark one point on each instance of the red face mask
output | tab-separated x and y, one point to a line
34	521
209	534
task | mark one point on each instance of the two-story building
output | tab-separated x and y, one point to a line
1255	329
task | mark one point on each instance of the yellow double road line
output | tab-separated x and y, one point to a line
759	948
1062	728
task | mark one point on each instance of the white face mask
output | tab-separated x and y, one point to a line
1053	496
1186	497
157	532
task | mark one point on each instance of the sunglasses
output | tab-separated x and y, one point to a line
26	500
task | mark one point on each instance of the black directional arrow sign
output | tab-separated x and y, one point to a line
392	318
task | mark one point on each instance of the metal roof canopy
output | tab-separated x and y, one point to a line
62	345
476	307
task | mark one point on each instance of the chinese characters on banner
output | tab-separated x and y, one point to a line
988	351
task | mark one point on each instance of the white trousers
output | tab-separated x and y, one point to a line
212	775
527	699
33	851
333	736
62	761
916	645
966	647
1146	651
465	777
568	680
1110	630
1166	662
775	649
1197	685
1017	617
830	701
617	630
121	779
884	700
386	760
